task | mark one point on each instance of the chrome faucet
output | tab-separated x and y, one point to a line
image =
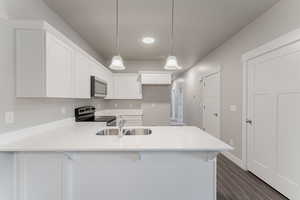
121	125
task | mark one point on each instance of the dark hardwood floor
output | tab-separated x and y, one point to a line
233	183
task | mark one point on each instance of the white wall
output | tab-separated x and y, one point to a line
37	9
156	102
280	19
29	112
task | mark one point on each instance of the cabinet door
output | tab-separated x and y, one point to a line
82	76
40	176
97	70
95	178
110	85
127	86
156	78
59	72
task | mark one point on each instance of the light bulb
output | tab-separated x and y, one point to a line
117	63
172	63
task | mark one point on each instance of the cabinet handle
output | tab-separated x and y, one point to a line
248	121
69	156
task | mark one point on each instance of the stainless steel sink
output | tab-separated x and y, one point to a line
137	131
108	132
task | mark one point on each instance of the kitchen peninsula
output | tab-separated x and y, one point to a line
67	160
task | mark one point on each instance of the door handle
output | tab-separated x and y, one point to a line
248	121
216	114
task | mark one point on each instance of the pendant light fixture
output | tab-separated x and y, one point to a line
171	63
117	61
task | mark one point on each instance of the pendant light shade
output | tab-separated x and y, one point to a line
117	61
172	63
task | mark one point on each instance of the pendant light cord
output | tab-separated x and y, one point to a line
117	28
172	29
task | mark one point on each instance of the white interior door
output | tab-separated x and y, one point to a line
274	111
177	105
211	104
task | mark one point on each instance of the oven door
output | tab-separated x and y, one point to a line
98	88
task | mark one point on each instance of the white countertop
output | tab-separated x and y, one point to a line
118	112
82	137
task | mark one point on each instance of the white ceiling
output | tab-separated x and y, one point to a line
200	25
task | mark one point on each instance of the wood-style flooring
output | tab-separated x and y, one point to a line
233	183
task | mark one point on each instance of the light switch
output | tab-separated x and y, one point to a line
9	118
232	108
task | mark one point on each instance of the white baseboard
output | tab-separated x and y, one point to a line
234	159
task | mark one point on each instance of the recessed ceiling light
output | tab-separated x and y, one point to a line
148	40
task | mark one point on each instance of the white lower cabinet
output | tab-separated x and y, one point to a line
114	176
40	176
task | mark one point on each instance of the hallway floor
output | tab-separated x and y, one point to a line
237	184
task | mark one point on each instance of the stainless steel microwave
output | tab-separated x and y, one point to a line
98	87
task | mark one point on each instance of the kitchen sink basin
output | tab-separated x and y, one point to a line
137	131
108	132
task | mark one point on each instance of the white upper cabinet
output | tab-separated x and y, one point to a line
58	68
104	74
110	84
127	86
44	65
48	64
155	78
82	76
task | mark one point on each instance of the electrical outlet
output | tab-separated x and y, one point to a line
9	118
116	105
63	110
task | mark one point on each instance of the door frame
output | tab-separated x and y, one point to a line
220	97
278	43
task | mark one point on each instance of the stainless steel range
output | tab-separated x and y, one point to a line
87	114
